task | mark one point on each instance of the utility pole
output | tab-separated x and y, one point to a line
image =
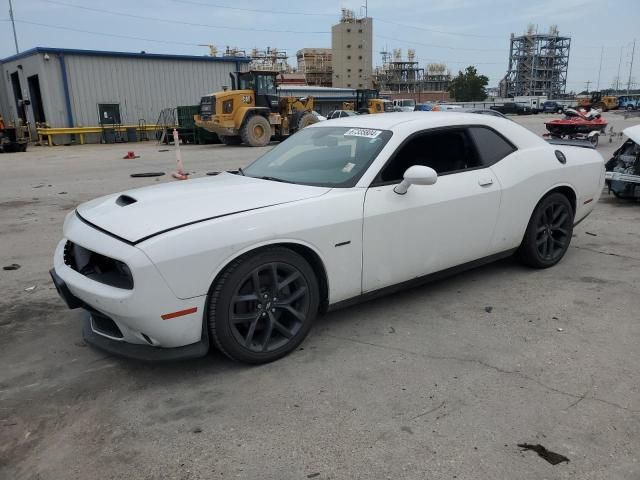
600	69
619	65
588	82
633	52
15	37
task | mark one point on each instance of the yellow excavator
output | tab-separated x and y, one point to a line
252	112
368	101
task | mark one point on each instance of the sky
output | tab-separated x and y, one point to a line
455	32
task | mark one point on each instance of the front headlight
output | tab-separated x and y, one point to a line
227	106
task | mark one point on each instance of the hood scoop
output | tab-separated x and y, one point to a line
124	200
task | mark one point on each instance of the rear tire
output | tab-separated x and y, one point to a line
256	131
230	139
549	232
263	305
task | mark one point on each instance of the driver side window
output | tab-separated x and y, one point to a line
445	151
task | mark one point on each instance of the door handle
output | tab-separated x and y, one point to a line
485	182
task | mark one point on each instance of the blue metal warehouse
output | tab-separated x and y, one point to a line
73	88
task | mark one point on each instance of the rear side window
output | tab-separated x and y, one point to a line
491	146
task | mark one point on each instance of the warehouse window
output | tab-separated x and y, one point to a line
348	57
348	30
359	85
360	57
348	45
360	31
359	69
348	69
348	84
359	46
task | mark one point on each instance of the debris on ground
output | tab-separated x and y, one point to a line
146	174
551	457
13	266
560	329
488	309
164	150
392	330
592	234
197	430
62	193
30	289
313	475
130	156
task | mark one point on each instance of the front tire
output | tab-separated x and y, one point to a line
549	232
263	305
256	132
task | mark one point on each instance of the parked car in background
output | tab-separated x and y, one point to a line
404	105
318	116
341	210
623	169
512	108
341	114
551	106
423	107
629	102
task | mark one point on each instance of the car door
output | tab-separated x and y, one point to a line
435	227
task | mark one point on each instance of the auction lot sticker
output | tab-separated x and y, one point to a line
362	132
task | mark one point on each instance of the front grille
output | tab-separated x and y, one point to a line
103	324
97	267
207	107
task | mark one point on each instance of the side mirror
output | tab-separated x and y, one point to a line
416	175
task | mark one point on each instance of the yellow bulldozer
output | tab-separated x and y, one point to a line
368	101
599	101
252	112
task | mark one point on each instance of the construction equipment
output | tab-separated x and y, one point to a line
369	101
599	101
253	112
13	138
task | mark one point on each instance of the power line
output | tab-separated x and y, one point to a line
115	35
449	47
318	14
174	21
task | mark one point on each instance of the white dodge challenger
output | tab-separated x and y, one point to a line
341	211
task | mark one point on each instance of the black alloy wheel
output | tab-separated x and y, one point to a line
269	307
549	232
263	306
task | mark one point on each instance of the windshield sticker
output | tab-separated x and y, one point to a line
362	132
348	167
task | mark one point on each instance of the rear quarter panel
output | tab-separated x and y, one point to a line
527	175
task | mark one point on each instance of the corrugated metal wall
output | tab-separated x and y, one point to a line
4	101
142	87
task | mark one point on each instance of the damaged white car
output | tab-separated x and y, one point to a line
341	211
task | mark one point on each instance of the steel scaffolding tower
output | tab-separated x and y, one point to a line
538	64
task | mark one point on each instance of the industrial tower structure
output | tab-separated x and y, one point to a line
537	64
351	46
315	64
400	75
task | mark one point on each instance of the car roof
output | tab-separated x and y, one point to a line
405	123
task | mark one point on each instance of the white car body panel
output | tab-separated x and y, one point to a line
162	207
432	227
177	238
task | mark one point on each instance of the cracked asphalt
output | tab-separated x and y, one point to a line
426	383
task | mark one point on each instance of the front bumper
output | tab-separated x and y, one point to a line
142	317
116	346
145	353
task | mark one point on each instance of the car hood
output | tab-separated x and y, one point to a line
633	133
136	215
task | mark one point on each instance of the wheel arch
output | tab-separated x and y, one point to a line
305	250
566	190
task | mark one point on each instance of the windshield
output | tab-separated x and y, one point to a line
321	156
